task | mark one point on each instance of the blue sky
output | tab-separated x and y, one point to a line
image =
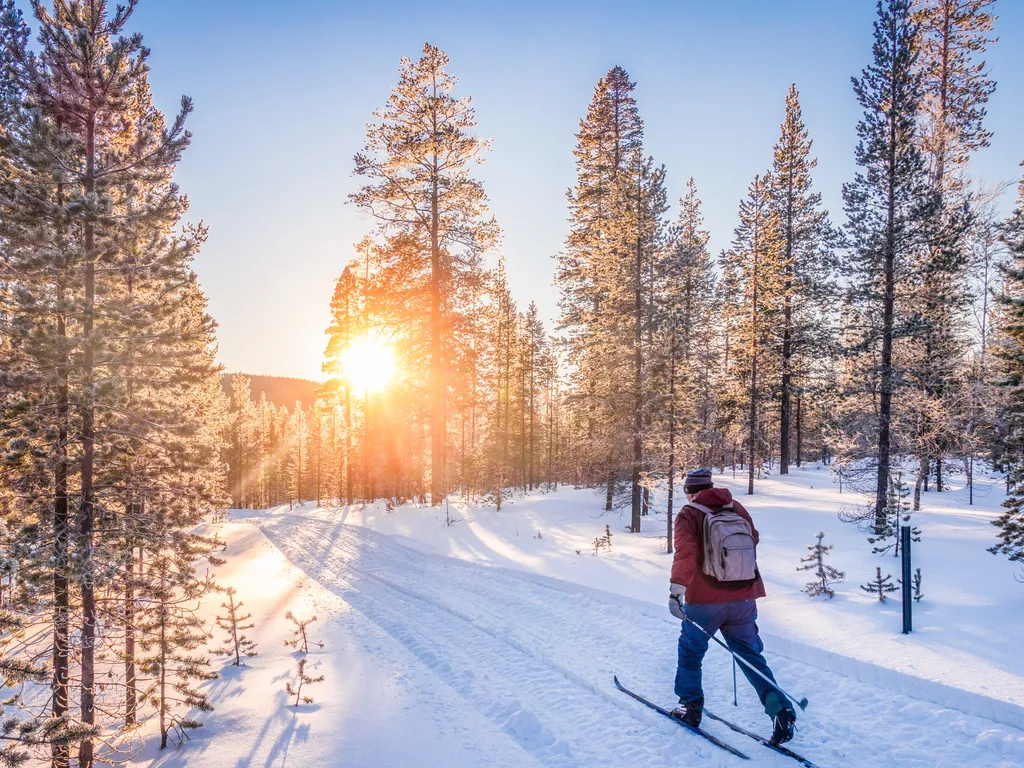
283	91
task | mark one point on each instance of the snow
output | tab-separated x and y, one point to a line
479	644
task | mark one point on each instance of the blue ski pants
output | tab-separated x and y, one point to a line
737	622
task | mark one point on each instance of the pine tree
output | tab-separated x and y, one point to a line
1011	382
171	632
755	258
825	575
234	623
341	333
599	274
302	679
805	265
416	159
95	245
890	206
300	634
954	35
879	586
536	359
685	354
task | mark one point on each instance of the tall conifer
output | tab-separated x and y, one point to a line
889	205
416	160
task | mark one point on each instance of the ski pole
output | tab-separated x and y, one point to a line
735	702
802	703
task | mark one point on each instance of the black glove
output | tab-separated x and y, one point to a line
676	594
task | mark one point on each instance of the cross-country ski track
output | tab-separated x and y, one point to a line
516	670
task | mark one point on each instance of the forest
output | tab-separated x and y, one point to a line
886	343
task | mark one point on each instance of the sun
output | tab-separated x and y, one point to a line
369	365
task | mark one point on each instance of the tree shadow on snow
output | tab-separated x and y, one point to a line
293	730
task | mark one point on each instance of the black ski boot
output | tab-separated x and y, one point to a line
784	727
690	712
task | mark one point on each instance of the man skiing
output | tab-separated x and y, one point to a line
715	584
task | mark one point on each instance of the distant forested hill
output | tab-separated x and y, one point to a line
280	390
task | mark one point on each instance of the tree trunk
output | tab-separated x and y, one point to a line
671	436
88	587
799	429
129	640
61	540
638	361
752	447
888	312
787	340
922	475
438	393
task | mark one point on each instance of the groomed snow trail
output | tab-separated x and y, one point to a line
538	661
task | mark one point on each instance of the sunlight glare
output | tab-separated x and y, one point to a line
370	365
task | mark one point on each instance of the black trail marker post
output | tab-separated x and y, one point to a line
907	599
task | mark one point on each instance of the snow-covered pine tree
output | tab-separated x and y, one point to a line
20	734
918	594
754	257
685	354
234	622
171	631
341	333
423	118
537	357
241	438
825	574
891	208
954	35
731	377
1011	381
879	586
499	347
804	329
298	455
603	279
92	225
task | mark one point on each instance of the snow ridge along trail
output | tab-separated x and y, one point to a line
538	662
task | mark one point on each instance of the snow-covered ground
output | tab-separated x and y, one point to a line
482	643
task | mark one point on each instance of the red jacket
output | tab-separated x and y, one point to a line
688	563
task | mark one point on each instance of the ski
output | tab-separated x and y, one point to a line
760	739
714	740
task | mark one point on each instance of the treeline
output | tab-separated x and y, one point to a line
475	404
884	347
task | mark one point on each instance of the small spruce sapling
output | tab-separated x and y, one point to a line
603	542
879	586
825	575
300	636
886	537
234	623
916	582
304	679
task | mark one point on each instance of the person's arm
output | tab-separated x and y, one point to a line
684	561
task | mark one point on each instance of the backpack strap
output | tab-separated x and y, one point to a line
708	510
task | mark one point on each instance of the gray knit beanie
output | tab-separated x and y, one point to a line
697	480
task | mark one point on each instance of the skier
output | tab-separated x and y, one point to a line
715	583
